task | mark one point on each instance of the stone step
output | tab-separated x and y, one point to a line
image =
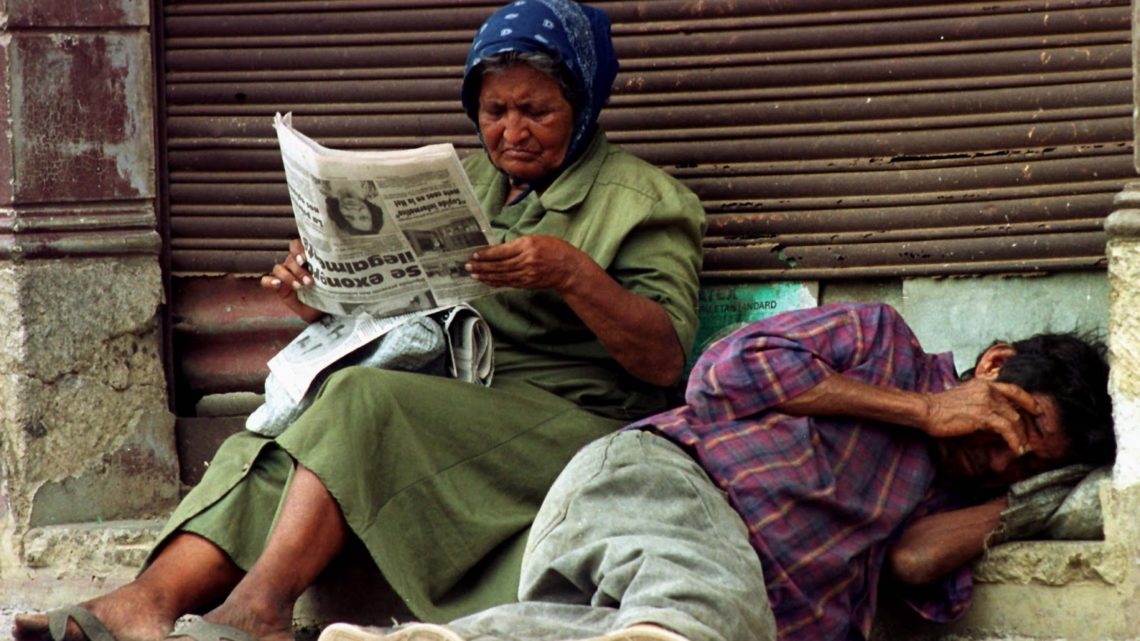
78	550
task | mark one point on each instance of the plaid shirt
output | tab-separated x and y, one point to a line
823	497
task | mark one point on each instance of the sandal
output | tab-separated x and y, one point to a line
203	630
89	624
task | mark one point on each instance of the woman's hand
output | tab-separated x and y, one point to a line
636	331
288	277
530	262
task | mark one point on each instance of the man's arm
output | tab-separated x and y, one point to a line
976	405
935	545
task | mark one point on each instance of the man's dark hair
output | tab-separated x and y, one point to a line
1074	371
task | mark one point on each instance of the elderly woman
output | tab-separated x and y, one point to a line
440	479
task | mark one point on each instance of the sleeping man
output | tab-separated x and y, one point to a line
814	449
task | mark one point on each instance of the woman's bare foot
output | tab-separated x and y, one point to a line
265	620
130	613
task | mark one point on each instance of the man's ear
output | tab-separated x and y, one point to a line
992	360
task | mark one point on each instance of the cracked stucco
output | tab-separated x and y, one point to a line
85	432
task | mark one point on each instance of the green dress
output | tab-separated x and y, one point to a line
440	479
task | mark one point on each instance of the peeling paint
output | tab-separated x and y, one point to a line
67	13
85	136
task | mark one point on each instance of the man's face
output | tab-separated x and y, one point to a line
984	459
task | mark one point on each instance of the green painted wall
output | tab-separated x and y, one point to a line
960	315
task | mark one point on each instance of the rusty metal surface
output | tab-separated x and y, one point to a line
225	329
789	119
77	153
68	13
828	139
748	253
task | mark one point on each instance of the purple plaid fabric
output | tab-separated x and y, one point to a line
822	497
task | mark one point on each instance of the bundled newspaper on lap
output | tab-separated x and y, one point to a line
386	237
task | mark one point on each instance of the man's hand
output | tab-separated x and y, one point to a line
980	405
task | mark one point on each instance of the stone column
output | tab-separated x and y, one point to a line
86	438
1122	500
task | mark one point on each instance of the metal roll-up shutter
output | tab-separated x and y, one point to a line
827	138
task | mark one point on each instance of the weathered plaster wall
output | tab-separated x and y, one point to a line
85	436
1124	269
86	433
94	385
11	355
965	315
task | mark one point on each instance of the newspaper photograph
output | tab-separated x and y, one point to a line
384	232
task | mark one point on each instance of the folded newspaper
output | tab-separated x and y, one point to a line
386	236
454	342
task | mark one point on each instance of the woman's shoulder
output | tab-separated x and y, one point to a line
626	170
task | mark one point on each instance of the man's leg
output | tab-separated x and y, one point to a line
633	532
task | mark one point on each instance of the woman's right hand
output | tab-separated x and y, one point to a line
288	277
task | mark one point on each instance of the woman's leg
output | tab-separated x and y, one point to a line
309	533
188	573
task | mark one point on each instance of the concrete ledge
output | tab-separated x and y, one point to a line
39	592
71	563
1074	612
1052	563
111	549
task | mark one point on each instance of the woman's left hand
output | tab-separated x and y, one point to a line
636	331
530	262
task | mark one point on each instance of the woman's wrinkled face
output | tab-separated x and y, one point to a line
525	121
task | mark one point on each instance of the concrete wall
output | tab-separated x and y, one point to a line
965	315
85	436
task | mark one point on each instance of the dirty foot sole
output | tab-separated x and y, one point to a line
413	632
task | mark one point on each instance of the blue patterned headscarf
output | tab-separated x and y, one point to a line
576	36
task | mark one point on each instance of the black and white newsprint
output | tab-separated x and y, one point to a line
386	235
385	232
